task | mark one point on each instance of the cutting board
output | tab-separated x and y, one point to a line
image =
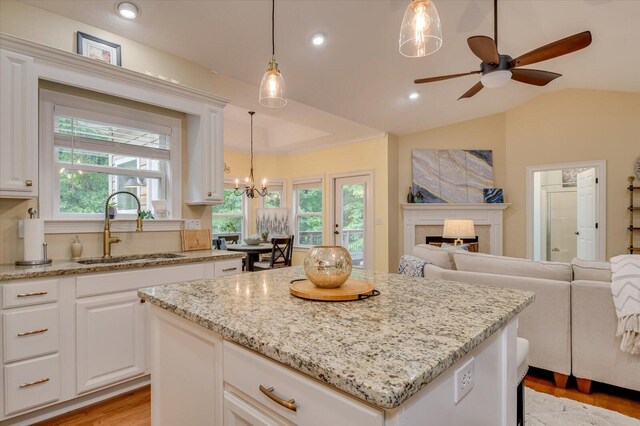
351	290
198	239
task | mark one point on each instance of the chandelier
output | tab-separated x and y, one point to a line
250	187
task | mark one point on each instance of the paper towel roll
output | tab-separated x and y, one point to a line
33	239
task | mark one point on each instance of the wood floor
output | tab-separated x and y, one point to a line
134	408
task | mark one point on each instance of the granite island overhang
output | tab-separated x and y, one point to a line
381	350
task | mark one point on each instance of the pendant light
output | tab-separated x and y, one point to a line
250	189
421	33
273	92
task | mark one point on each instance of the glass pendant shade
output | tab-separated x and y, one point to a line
421	33
273	92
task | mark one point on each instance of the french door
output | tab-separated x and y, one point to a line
352	217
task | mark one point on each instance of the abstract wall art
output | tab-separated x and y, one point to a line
493	195
273	221
451	176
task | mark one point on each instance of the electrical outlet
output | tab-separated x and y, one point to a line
191	224
464	377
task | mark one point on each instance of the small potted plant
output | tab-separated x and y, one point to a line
112	210
265	236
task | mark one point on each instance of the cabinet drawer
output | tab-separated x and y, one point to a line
31	292
31	383
115	282
30	332
228	267
316	404
238	412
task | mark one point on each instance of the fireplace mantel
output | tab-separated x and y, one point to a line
490	214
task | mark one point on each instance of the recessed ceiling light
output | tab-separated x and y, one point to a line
414	95
128	10
318	39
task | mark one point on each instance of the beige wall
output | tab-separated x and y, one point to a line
559	127
567	126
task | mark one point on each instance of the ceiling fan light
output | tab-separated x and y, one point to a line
273	92
421	32
496	79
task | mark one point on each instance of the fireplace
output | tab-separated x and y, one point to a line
421	220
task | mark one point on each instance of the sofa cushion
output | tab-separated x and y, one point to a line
438	256
478	262
588	270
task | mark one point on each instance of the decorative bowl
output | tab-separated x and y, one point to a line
252	241
327	266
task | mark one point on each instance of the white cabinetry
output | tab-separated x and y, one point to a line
238	412
88	336
110	340
18	126
205	157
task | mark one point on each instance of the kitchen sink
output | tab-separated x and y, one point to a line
130	259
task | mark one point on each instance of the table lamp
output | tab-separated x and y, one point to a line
458	229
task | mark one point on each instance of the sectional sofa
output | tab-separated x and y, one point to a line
571	325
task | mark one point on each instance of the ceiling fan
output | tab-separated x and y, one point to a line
497	69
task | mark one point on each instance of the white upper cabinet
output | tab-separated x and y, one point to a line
205	157
18	126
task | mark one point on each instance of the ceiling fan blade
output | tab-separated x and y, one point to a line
484	48
475	89
443	77
535	77
555	49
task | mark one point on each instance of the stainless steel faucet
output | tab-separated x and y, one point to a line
108	239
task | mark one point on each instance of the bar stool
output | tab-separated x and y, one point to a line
523	367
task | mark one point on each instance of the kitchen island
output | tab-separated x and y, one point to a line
243	350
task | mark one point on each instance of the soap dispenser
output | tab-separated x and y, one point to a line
76	249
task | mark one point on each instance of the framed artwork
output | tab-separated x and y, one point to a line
451	176
98	49
493	195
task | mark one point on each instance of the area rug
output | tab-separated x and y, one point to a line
547	410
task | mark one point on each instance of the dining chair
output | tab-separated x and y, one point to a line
281	254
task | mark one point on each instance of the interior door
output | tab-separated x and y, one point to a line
350	218
587	215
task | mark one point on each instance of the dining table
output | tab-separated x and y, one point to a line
253	251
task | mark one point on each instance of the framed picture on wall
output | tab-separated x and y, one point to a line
98	49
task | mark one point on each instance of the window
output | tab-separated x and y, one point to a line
229	218
96	148
275	197
307	206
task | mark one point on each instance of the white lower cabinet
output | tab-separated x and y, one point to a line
31	383
238	412
110	340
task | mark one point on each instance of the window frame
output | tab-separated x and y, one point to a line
308	182
229	184
106	112
279	184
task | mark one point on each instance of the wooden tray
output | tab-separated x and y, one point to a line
351	290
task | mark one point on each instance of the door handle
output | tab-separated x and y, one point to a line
336	232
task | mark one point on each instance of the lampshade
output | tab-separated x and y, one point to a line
273	92
421	33
458	228
495	79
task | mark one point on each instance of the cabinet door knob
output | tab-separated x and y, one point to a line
29	182
209	194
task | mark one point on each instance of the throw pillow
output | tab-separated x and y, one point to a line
412	266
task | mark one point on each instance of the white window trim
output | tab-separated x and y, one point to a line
230	183
281	183
57	223
315	179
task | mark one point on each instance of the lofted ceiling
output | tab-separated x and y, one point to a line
358	81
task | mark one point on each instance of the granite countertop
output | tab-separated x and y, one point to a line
71	267
382	350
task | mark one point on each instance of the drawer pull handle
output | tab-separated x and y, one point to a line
35	293
37	382
290	404
29	333
230	269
